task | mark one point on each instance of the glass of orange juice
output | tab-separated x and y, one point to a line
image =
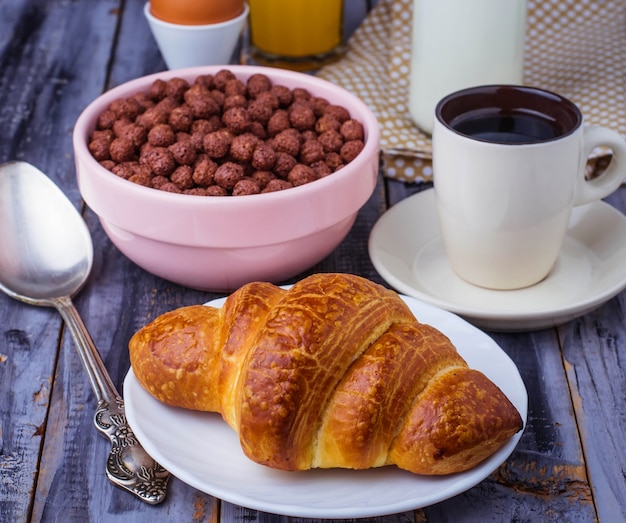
296	34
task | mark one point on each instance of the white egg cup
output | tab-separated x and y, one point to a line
194	45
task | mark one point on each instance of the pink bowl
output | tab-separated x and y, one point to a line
220	243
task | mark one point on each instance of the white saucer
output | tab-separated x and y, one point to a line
406	248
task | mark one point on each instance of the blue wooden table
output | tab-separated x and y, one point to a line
58	55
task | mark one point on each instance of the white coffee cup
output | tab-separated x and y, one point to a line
194	45
508	166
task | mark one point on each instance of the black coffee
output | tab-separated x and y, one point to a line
500	127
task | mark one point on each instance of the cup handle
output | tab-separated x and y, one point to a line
608	182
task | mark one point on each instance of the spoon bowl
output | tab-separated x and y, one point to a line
46	257
47	249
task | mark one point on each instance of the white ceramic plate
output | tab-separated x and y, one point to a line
406	248
201	450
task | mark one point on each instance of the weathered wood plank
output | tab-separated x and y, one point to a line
46	79
136	53
233	513
593	352
28	349
39	102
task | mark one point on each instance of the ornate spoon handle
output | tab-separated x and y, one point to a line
128	466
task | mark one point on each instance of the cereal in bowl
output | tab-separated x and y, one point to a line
221	136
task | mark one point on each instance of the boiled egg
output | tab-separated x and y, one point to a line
196	12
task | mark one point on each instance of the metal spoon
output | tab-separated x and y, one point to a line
46	257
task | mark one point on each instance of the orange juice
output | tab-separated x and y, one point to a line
296	30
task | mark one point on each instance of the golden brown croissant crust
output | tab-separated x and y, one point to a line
334	372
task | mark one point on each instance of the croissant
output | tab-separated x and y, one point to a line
334	372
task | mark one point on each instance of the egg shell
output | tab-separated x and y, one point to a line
196	12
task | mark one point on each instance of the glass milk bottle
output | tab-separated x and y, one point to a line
463	43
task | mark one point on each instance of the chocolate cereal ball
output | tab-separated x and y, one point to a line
208	125
196	191
157	90
301	94
204	172
219	97
235	100
319	105
327	122
167	104
204	106
350	150
135	133
161	135
334	161
236	119
126	108
246	186
301	174
100	143
141	178
258	130
263	157
283	164
217	143
277	185
222	77
184	152
302	117
311	152
151	117
309	134
106	120
263	177
352	130
278	122
182	177
284	95
160	160
340	113
170	187
108	164
260	111
205	80
288	141
197	90
321	169
258	83
216	190
159	181
269	98
99	149
181	118
176	88
143	99
242	147
228	174
235	87
122	150
331	141
124	170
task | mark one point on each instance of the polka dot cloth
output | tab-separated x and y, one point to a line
574	47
